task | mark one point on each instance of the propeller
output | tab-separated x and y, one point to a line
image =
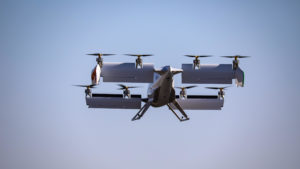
124	87
221	92
235	56
218	88
87	90
139	55
186	87
86	86
126	92
183	92
100	54
236	61
196	62
139	61
198	56
99	58
221	88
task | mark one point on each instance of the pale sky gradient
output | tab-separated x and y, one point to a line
44	122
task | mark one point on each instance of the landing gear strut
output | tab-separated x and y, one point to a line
184	117
141	112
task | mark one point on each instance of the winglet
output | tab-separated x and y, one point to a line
176	71
173	70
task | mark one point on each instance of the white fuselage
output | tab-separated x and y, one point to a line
162	92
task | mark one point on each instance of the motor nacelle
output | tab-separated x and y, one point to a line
139	63
235	64
182	94
221	94
126	93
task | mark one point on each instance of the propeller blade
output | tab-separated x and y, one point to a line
187	87
217	88
236	56
124	87
132	87
200	56
102	54
143	55
90	86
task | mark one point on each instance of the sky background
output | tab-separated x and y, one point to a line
45	123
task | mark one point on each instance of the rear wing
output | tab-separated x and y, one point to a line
114	101
212	74
127	72
200	102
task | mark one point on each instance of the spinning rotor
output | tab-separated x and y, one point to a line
139	61
88	91
126	91
221	92
235	62
196	61
99	58
183	93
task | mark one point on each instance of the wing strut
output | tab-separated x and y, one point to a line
184	117
141	112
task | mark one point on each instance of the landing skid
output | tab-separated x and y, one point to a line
184	117
141	112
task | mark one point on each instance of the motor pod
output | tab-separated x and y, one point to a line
95	76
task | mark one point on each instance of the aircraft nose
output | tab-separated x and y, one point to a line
166	69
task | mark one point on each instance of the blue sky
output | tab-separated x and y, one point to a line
44	122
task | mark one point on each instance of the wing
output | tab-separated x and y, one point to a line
127	72
114	101
200	102
212	74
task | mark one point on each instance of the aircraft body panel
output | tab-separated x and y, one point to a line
127	72
194	102
114	101
162	90
208	74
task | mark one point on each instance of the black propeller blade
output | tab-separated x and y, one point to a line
139	55
196	56
124	87
100	54
86	86
218	88
186	87
235	56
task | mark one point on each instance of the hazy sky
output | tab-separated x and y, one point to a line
44	122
